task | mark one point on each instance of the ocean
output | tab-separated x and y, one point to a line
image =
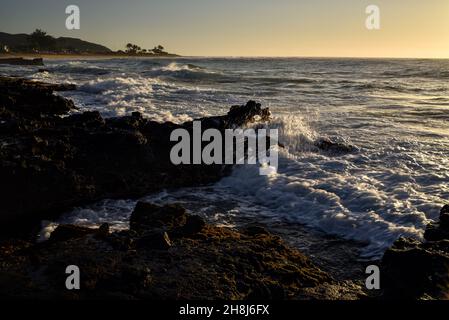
395	111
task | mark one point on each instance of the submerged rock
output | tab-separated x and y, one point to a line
326	144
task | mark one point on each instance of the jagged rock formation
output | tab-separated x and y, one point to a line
50	163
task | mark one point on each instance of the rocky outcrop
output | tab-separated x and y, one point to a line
419	270
50	163
166	254
439	231
22	61
24	102
328	145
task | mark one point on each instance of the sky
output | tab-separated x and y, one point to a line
315	28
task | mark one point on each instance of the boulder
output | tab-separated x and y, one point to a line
255	230
103	230
444	217
326	144
68	231
418	270
194	224
155	240
249	113
148	216
439	230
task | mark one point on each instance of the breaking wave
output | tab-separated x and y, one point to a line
121	96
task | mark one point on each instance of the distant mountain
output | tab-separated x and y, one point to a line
81	45
22	43
13	40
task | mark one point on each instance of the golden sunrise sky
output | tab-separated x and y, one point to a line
331	28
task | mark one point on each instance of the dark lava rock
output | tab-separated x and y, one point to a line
154	240
326	144
418	270
149	216
439	230
241	115
172	218
103	230
254	230
30	99
221	264
194	224
68	231
444	217
411	269
49	163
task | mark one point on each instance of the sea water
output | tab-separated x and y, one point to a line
395	112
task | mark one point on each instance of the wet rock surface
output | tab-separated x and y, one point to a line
154	260
50	163
412	269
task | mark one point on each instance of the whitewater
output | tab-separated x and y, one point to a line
395	112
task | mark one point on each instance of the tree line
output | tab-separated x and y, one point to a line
135	49
40	41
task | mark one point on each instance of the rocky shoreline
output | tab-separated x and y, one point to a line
53	159
51	163
166	254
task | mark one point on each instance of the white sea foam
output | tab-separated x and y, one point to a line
122	95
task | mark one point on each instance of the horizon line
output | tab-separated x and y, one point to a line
311	57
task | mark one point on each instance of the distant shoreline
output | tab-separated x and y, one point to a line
121	55
83	55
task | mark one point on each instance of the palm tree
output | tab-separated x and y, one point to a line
129	47
132	48
39	39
